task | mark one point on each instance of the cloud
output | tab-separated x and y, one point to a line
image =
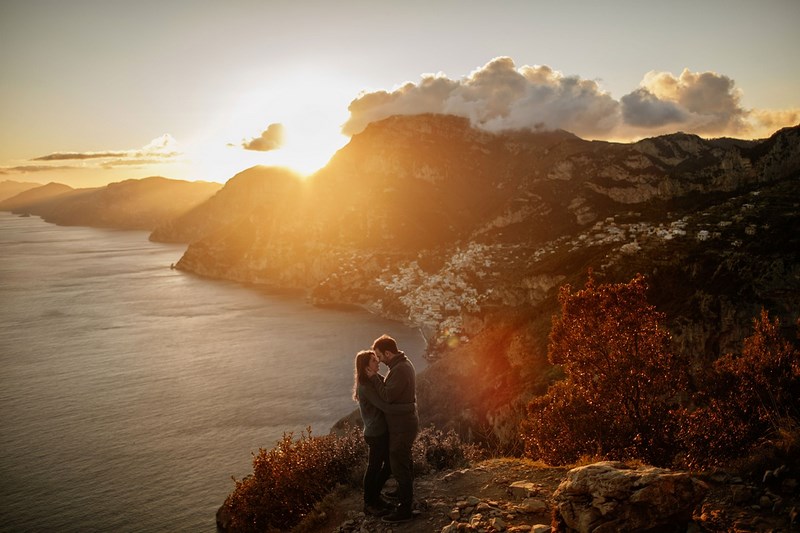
769	120
165	146
163	149
499	96
27	169
698	102
270	139
62	156
643	109
160	149
131	162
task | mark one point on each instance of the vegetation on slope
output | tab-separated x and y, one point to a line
625	394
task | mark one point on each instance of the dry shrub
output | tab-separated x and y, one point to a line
749	404
780	448
289	479
436	450
329	509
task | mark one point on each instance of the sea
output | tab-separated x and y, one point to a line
132	393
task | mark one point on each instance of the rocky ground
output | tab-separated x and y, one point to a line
516	495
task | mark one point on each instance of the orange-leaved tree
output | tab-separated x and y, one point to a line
621	383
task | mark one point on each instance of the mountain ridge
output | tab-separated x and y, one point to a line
10	188
134	204
469	234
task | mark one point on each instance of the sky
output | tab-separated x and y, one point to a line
98	91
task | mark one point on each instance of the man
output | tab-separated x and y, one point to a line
399	386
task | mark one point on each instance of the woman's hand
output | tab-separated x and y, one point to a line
370	372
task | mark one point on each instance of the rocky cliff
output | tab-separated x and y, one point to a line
243	194
468	234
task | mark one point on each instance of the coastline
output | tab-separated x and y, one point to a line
189	357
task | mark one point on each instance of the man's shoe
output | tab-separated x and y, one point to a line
399	516
374	510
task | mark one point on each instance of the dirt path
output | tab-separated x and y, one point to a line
480	499
481	490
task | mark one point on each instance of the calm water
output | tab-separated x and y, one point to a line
130	393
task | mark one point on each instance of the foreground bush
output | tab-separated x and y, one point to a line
294	476
289	479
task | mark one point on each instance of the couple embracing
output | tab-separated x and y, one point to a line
389	411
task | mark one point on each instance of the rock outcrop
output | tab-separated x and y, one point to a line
611	497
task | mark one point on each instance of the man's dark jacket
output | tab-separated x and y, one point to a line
399	387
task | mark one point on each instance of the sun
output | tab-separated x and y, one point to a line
310	140
310	108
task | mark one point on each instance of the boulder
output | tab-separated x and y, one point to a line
611	496
522	489
531	506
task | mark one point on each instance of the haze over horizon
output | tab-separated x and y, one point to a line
97	92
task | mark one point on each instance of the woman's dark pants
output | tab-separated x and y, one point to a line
378	469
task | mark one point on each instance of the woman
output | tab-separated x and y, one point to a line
376	432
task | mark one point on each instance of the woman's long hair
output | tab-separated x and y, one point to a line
362	361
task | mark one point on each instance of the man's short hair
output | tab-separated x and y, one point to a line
385	343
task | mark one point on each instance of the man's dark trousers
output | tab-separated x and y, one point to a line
403	466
